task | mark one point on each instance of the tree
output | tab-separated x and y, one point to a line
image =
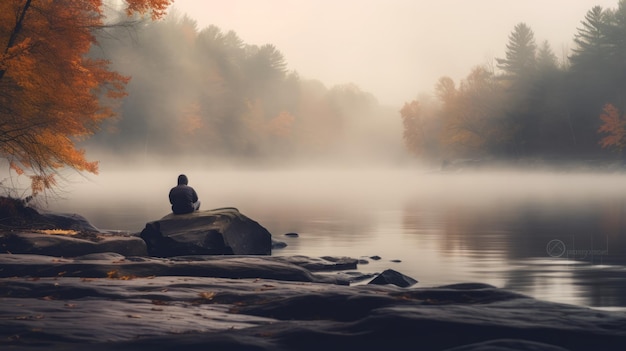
616	37
413	133
520	71
51	93
421	127
265	68
591	41
520	61
472	115
598	71
546	59
614	124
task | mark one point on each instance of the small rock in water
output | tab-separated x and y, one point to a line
390	276
293	235
278	244
362	261
375	257
396	261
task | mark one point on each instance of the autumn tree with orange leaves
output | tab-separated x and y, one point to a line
51	94
614	124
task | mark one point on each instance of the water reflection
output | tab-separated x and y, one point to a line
559	237
560	250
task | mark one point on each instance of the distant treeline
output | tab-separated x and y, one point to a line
528	104
206	92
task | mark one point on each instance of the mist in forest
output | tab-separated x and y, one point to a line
202	92
206	94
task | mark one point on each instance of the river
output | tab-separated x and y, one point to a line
556	236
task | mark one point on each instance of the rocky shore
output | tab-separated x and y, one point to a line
118	297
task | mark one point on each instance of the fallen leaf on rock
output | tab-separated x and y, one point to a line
133	316
70	305
112	274
207	295
115	274
58	232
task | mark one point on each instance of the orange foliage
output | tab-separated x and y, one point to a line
191	119
471	113
49	91
263	133
281	125
157	8
615	126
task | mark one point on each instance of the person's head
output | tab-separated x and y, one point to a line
182	179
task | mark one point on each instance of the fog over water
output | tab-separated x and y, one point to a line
497	227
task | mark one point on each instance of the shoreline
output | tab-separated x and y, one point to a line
107	301
168	312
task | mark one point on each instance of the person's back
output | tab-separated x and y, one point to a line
183	197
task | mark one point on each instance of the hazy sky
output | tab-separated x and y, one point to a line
394	49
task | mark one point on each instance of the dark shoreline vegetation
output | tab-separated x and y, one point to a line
105	300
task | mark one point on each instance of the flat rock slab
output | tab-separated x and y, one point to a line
196	313
117	266
65	245
214	232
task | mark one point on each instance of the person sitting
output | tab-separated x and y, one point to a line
183	197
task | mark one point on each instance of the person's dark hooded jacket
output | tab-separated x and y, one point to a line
183	197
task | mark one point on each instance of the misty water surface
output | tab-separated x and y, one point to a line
553	235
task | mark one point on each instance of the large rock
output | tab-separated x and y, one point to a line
215	232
